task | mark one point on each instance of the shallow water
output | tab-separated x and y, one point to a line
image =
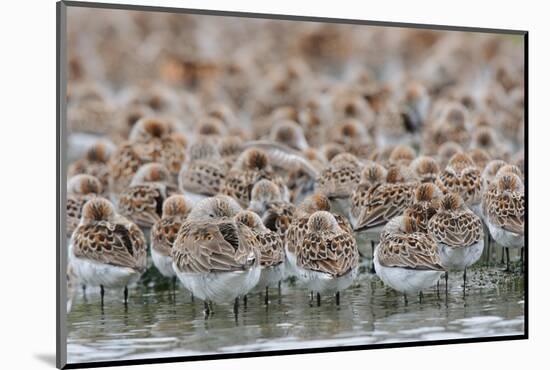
158	324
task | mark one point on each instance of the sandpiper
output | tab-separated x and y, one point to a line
251	166
202	175
298	227
164	232
106	249
215	257
267	202
406	259
458	233
142	201
504	203
377	205
272	252
463	177
327	261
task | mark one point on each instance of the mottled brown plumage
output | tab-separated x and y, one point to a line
504	203
270	243
326	247
298	226
94	163
75	203
425	205
416	251
150	141
107	238
463	177
215	246
454	224
402	155
425	169
340	177
376	205
142	201
251	167
165	230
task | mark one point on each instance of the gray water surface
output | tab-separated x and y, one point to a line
158	323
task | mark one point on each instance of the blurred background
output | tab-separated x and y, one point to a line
126	64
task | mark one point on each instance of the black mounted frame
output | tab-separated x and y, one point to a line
61	161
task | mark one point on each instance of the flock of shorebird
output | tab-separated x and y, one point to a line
228	227
231	177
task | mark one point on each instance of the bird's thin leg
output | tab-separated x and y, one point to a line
192	298
318	299
125	295
446	282
279	287
206	309
338	298
507	259
372	269
245	300
266	298
84	296
420	296
437	289
102	293
488	241
236	307
405	298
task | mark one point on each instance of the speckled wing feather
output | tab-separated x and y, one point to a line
508	211
490	193
221	246
97	169
164	233
295	233
458	230
343	223
422	213
332	253
161	150
271	248
238	185
278	216
142	204
338	182
123	165
75	203
384	202
202	177
171	156
414	251
110	243
359	199
139	244
467	184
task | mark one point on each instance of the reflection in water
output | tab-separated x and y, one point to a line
158	324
